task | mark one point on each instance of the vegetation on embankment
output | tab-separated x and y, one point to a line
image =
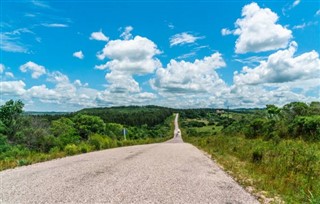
20	156
27	139
276	150
289	168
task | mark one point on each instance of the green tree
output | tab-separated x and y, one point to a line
2	128
114	130
294	109
31	131
86	125
64	129
10	113
307	127
63	126
255	128
273	111
4	146
314	108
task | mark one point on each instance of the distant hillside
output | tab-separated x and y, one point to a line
45	113
131	115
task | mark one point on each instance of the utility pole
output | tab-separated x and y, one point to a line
124	133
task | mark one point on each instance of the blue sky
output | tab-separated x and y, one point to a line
68	55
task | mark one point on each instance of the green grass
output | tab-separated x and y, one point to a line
287	168
205	130
198	120
210	128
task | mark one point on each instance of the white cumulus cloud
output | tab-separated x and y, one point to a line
57	77
14	88
183	38
128	58
122	83
258	30
135	56
281	67
107	98
9	74
37	70
64	92
78	54
296	3
99	36
126	34
190	77
171	26
226	31
259	95
78	83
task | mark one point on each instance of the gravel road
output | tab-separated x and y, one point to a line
171	172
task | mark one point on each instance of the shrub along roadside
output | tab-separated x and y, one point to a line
22	156
289	168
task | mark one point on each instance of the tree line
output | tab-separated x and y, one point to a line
293	120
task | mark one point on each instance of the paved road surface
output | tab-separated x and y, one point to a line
171	172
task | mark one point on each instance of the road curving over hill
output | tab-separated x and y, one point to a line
170	172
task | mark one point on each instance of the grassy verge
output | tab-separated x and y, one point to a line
286	168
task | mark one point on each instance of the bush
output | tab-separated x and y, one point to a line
47	142
114	130
255	128
276	139
62	126
86	125
23	162
18	151
109	143
54	150
306	126
96	141
128	142
119	143
66	139
257	156
71	149
235	129
84	147
193	124
192	132
101	142
4	146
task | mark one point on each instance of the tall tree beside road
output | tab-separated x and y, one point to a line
9	116
86	125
